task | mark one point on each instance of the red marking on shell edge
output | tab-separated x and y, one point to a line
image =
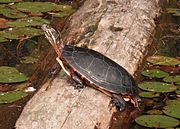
74	70
83	77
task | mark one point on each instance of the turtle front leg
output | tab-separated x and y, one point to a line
79	82
118	101
71	73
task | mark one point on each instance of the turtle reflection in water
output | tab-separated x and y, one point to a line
86	66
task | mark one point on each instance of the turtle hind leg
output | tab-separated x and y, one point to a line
118	101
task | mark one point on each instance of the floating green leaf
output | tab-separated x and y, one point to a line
11	75
155	73
148	94
17	24
63	8
9	97
3	40
172	10
11	13
177	83
27	31
154	112
157	121
173	108
2	6
172	78
28	60
16	33
178	92
60	14
157	87
173	102
7	34
163	60
177	14
9	1
31	21
3	23
35	7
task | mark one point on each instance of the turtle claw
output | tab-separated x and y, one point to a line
118	102
79	83
79	86
76	85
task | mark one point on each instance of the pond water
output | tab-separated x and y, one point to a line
160	78
24	53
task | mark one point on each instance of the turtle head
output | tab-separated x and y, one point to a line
54	37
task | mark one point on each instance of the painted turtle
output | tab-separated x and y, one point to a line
84	65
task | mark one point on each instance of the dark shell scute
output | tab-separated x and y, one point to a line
98	73
83	61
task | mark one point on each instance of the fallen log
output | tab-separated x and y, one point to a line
120	29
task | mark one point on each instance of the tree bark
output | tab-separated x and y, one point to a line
120	29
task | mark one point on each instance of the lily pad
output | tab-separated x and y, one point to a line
155	73
11	13
173	108
31	21
157	121
35	7
178	92
177	14
17	33
7	34
9	1
17	24
159	87
154	112
3	23
3	40
12	96
148	94
163	60
61	14
29	60
170	69
2	6
63	8
172	78
172	10
177	83
11	75
28	31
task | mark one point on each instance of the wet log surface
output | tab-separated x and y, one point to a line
122	30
